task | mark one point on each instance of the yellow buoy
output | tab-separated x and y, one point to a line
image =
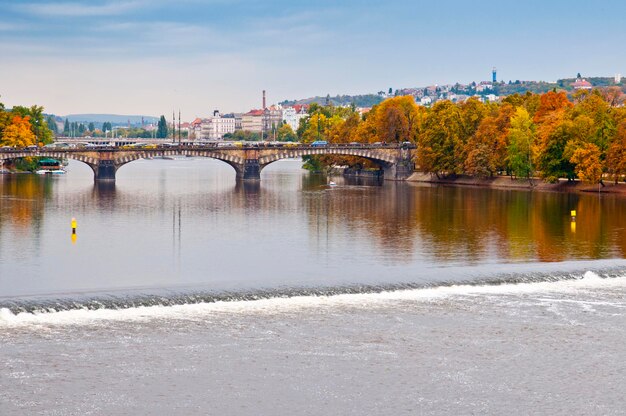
73	225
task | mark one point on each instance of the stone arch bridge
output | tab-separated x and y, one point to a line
248	161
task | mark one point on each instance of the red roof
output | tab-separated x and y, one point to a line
300	107
254	113
581	83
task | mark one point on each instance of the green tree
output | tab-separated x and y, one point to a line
554	138
286	134
107	126
52	125
161	128
91	127
521	141
440	142
66	128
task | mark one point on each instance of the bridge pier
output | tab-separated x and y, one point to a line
250	171
104	170
398	171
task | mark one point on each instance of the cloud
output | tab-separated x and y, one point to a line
75	9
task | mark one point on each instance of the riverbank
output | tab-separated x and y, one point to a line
506	182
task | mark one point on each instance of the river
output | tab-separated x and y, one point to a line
185	292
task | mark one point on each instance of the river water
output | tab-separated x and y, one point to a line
184	292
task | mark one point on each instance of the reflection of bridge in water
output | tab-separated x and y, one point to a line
248	161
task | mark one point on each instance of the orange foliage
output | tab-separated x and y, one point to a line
550	102
18	133
587	161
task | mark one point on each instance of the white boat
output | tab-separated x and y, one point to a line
50	171
331	183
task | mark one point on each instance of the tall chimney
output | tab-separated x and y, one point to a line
264	106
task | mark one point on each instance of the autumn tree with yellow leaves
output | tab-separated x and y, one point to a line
18	133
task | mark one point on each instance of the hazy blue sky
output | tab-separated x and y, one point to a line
150	56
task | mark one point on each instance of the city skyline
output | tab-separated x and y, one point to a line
148	57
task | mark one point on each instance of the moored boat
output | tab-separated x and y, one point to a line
49	166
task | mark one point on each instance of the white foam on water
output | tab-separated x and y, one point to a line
589	281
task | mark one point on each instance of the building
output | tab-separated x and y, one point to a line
262	121
484	86
426	101
238	121
212	128
293	115
581	84
194	128
492	98
272	118
252	121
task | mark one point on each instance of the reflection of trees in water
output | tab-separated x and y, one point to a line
403	220
473	224
381	214
519	225
23	198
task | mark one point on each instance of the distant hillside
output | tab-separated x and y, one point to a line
367	100
540	87
500	88
115	119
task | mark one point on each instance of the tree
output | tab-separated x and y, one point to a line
549	103
440	144
315	128
587	161
38	123
161	128
394	127
52	125
18	133
106	126
616	154
614	96
521	140
481	149
66	128
554	137
286	134
91	127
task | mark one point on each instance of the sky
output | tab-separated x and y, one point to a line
150	57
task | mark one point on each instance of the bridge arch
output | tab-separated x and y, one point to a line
384	159
90	161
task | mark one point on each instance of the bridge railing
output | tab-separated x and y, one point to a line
211	146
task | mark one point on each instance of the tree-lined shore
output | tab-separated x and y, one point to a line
23	127
547	135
